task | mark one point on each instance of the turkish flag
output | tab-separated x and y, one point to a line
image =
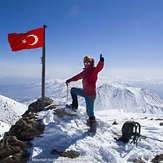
31	39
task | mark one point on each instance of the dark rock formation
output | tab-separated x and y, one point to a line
69	154
13	146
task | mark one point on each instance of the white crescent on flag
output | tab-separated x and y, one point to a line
35	37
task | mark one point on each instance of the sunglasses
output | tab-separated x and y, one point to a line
87	63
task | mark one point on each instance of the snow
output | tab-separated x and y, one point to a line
114	102
70	133
10	112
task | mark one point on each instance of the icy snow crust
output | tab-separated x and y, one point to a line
114	102
10	110
70	133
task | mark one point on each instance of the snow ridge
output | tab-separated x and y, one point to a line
128	99
10	110
114	102
112	96
69	133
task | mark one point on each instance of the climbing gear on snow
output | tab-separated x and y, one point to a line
144	137
130	130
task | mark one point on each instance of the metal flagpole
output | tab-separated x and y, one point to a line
43	72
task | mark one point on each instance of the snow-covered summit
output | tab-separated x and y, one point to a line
10	110
69	133
128	99
114	102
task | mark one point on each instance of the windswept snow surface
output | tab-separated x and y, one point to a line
128	99
69	133
10	110
114	102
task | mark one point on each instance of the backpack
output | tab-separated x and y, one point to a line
130	130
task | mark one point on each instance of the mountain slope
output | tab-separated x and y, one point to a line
112	96
10	110
69	133
113	103
128	99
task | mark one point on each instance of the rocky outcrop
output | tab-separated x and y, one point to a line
157	159
13	150
38	105
69	153
138	161
60	113
13	146
26	129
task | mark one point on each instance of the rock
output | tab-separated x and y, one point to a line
13	141
61	113
5	152
37	106
157	159
145	118
138	161
161	123
114	123
11	146
20	157
30	115
48	101
25	129
159	119
51	107
69	154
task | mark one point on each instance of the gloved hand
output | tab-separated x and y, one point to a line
67	82
101	58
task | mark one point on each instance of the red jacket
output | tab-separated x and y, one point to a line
89	76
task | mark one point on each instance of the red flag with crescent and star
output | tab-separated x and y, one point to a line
31	39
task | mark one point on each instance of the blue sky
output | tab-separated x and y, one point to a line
129	34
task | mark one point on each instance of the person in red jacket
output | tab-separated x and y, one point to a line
89	78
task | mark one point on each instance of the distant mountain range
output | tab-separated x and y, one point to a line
109	96
113	101
128	99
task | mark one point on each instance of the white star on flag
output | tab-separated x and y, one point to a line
24	41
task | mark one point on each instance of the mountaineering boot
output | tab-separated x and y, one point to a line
72	107
93	124
88	122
